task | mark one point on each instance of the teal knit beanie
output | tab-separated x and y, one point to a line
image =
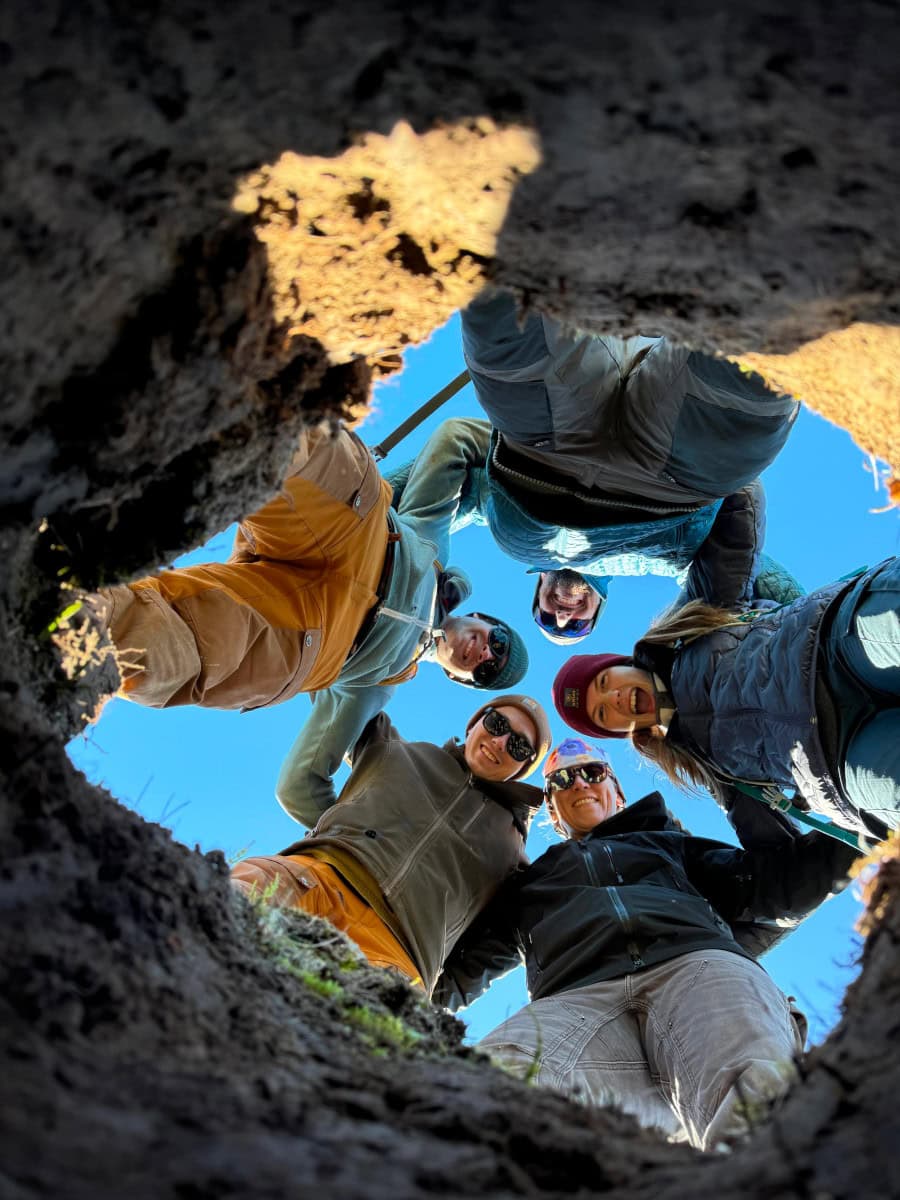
513	670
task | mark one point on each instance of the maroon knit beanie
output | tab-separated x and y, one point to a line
570	691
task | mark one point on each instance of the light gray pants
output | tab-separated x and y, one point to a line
696	1047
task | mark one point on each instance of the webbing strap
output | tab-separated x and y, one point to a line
773	798
384	448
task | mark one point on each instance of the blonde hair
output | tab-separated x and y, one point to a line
677	764
690	621
684	624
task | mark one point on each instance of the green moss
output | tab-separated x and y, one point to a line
322	987
382	1028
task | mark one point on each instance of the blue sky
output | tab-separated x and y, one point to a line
209	776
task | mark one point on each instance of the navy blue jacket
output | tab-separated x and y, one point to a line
746	700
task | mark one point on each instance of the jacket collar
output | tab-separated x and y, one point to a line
649	814
521	799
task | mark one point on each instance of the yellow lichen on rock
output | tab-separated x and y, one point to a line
850	376
370	251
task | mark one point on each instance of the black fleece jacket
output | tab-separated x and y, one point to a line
633	893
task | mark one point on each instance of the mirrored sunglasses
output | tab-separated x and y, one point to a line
518	746
574	627
562	780
498	644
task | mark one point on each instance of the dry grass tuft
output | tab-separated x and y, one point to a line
880	873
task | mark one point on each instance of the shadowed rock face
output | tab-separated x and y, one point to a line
727	178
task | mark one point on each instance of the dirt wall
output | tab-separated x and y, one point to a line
726	176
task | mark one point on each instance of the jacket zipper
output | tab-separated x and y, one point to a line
634	952
612	865
539	486
391	886
588	865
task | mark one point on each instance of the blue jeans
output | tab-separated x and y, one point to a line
863	674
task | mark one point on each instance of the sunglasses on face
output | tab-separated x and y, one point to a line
564	778
518	746
498	644
574	627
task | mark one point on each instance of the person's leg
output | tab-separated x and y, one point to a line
869	632
586	1045
872	767
302	882
281	616
864	646
720	1037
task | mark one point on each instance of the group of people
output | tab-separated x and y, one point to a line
600	457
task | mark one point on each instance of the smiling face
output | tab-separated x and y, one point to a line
567	596
622	699
577	810
486	754
464	645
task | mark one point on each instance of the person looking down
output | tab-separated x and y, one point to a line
644	996
327	590
803	697
609	455
419	840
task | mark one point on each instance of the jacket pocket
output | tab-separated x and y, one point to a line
475	816
520	410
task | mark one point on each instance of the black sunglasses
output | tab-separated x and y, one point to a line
518	746
562	780
498	644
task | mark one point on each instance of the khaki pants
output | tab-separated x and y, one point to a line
301	881
281	615
695	1047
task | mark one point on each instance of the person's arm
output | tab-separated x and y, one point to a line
774	585
784	881
724	569
757	827
488	950
756	824
473	499
446	478
337	722
380	729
